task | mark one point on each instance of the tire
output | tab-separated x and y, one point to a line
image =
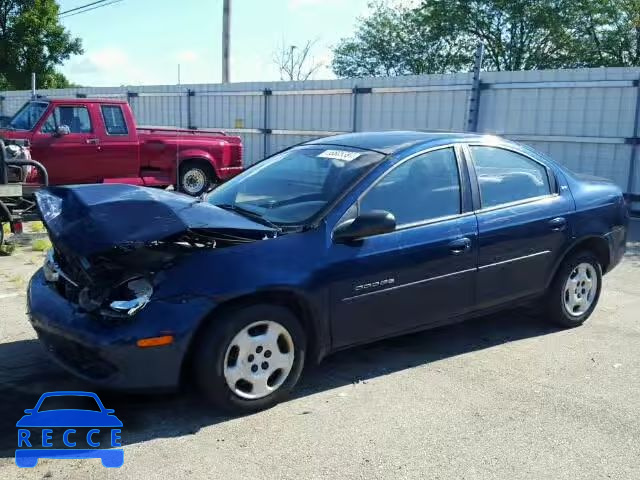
579	279
196	178
239	339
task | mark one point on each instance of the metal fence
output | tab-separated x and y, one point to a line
587	119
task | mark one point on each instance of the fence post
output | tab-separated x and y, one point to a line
266	131
474	98
356	92
354	115
634	145
190	123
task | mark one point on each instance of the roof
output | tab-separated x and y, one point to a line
80	101
391	142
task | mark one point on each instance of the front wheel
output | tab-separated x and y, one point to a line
196	178
250	359
575	291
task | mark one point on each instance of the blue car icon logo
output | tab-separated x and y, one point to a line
44	424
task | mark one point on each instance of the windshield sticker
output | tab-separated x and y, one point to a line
339	155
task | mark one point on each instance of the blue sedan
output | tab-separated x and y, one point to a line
329	244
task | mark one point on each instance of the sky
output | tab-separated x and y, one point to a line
141	42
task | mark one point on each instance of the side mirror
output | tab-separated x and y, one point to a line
367	224
29	411
62	130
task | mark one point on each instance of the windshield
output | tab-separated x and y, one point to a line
292	187
28	116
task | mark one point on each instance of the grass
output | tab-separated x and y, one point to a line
41	245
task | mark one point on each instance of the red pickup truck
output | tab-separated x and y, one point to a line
97	141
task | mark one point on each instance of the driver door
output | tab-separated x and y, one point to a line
68	158
422	273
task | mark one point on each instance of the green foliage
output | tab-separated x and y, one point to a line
36	227
439	36
397	41
41	245
33	40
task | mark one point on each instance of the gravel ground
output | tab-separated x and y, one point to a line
506	396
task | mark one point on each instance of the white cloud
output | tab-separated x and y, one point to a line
109	66
188	56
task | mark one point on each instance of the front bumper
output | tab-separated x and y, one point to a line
104	352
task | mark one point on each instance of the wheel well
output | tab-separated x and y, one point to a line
202	162
283	298
596	245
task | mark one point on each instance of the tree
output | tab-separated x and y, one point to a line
296	63
33	40
608	33
438	36
397	41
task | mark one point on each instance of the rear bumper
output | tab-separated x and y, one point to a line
225	173
106	353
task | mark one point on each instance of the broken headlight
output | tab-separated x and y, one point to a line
131	296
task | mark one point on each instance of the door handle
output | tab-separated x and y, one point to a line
558	224
460	245
92	141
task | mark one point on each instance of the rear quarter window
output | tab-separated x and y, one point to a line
505	176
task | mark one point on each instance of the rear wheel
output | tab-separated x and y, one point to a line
250	359
575	291
196	178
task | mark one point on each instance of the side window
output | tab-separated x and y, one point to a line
420	189
50	125
505	176
114	120
76	118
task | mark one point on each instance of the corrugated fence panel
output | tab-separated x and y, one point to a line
584	118
327	112
435	110
227	111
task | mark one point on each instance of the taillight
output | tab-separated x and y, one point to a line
16	227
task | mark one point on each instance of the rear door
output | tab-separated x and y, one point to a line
117	144
424	271
523	222
68	158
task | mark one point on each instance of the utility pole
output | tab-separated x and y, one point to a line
33	86
226	14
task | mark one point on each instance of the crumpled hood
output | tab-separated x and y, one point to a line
89	219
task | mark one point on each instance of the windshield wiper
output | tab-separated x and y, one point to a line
245	212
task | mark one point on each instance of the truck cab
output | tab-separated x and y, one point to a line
97	141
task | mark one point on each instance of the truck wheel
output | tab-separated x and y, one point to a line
250	359
196	178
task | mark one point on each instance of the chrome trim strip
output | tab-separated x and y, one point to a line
395	287
525	257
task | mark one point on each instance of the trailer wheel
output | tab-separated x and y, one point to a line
196	178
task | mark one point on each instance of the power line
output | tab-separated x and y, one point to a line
80	8
77	11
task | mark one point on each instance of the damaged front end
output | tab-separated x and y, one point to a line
113	244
